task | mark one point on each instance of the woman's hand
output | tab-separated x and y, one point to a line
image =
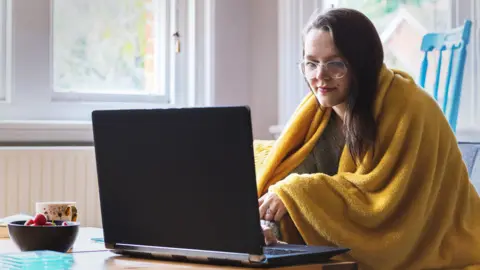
270	238
271	207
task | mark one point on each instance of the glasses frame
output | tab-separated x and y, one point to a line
323	66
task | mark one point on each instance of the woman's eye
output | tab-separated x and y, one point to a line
337	64
310	65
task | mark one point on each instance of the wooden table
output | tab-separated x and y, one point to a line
88	254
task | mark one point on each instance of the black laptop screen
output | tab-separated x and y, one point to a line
181	178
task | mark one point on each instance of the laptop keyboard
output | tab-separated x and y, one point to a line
279	251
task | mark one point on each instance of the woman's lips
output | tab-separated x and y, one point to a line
325	90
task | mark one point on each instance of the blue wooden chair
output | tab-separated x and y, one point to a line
455	41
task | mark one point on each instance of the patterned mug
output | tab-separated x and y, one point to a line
64	211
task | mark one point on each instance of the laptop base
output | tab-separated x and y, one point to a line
305	255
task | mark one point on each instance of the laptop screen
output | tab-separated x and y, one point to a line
180	178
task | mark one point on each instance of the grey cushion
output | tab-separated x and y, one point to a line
471	156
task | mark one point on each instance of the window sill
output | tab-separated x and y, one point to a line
46	132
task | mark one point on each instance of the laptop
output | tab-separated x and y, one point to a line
179	184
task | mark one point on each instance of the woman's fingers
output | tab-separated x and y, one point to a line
260	201
280	213
270	213
272	209
269	236
264	207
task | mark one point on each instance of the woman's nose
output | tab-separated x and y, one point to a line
320	73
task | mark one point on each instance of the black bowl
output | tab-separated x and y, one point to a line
56	238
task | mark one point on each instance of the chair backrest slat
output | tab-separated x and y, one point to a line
456	42
446	91
437	76
423	70
457	86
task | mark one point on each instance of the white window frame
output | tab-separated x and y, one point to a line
166	16
33	113
293	15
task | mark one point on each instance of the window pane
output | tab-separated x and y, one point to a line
402	24
106	46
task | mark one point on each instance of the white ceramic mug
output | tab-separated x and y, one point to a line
64	211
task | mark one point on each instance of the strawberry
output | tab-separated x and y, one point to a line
40	219
64	223
29	222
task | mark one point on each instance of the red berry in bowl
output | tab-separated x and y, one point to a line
40	219
29	222
64	223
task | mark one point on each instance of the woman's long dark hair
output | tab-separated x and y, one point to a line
359	44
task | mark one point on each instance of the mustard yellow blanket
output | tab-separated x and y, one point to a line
408	205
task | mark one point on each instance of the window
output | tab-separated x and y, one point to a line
401	25
62	59
110	48
71	57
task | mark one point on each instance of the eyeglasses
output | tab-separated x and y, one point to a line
334	69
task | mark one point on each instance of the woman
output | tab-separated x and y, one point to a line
368	160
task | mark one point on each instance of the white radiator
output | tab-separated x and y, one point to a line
31	174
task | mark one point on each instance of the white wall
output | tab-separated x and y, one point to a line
232	52
246	66
264	66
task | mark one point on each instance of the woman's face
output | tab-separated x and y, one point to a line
324	69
